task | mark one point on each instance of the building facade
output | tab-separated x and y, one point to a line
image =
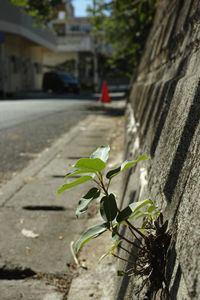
75	47
22	47
27	51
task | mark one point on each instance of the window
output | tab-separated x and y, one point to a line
15	64
38	68
75	28
80	28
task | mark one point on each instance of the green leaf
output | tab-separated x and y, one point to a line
33	13
144	224
134	214
157	213
19	2
82	171
84	202
145	214
74	183
151	208
94	164
108	207
125	165
124	214
102	153
113	173
120	273
137	205
110	250
89	234
132	208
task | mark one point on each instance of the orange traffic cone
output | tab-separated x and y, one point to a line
104	93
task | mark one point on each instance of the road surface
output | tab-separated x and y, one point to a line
29	126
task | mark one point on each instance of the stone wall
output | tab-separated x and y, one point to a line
163	116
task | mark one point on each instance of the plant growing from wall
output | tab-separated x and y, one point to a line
150	242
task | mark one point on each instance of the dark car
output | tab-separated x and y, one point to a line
60	82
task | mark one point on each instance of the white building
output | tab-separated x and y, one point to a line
27	51
21	50
75	47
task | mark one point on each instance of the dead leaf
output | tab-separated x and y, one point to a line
28	250
29	233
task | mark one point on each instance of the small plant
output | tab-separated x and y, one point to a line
150	241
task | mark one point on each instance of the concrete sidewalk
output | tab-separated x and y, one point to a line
37	226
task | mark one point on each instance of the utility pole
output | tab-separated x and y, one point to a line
95	55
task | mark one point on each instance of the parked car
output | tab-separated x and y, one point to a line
60	82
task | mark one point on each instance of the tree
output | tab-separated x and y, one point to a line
124	24
43	11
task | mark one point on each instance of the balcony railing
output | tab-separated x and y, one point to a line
74	43
13	20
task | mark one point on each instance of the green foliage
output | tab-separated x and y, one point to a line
42	11
125	165
124	24
101	153
108	208
91	233
151	240
109	211
74	183
93	164
131	209
110	251
84	202
120	273
19	2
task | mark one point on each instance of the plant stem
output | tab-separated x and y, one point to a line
100	183
128	241
108	184
97	182
104	189
129	261
100	177
131	226
137	262
131	230
134	228
121	247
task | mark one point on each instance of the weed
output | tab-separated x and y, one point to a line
150	241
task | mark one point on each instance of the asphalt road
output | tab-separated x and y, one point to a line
28	127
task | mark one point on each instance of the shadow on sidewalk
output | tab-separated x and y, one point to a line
112	111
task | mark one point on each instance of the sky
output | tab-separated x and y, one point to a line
80	7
